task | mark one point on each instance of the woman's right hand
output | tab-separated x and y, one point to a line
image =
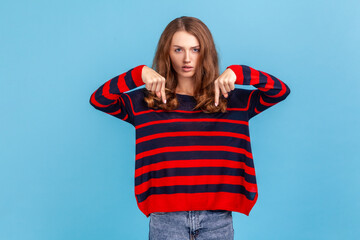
154	82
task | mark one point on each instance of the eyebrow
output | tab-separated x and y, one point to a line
181	46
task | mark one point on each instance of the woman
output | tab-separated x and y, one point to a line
194	165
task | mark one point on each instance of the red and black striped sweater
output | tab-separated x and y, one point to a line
189	160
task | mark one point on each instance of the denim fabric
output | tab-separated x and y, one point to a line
191	225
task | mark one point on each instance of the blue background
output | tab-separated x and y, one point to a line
67	169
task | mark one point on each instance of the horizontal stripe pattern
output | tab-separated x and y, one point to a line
109	97
186	159
270	90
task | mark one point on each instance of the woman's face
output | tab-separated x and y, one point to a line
184	51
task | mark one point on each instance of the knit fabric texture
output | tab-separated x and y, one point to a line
187	159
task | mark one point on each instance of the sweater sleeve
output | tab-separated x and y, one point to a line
270	90
111	99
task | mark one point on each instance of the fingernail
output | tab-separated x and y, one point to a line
165	101
216	104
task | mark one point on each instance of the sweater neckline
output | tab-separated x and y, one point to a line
184	95
185	98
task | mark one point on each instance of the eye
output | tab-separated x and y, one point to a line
197	49
177	49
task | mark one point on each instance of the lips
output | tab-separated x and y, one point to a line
187	67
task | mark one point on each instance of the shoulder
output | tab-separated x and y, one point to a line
239	97
139	92
136	99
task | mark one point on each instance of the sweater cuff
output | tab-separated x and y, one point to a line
136	75
238	72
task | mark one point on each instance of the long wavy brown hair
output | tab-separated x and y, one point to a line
207	70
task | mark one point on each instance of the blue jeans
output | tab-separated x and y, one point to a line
191	225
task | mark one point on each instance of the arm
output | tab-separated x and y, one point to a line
110	97
270	90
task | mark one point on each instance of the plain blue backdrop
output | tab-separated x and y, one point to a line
67	169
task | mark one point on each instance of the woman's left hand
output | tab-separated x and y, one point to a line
226	83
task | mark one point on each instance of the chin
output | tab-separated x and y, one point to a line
188	74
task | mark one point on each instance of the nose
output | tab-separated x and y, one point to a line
187	56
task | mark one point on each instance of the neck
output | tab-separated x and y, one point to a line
185	86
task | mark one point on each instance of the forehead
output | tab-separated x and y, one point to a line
184	39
